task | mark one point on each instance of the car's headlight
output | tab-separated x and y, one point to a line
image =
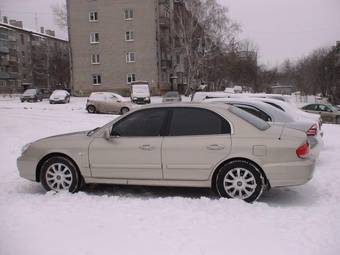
135	98
147	98
25	147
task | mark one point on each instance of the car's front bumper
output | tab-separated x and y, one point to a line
290	173
57	101
27	168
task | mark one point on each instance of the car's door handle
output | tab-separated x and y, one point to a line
146	147
215	147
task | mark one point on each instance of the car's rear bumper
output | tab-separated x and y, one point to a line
58	101
290	173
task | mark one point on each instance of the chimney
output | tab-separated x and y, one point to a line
50	32
5	19
19	24
42	30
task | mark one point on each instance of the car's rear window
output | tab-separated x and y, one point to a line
251	119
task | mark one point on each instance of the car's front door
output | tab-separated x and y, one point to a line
134	149
197	140
327	114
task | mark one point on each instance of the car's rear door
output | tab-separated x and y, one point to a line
134	149
197	140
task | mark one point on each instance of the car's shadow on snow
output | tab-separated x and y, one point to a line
147	192
291	197
278	197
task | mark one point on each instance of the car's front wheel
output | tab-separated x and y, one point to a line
91	109
59	173
124	110
240	179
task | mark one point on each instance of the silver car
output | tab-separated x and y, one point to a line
275	116
107	102
171	96
194	145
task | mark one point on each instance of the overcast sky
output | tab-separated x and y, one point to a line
280	28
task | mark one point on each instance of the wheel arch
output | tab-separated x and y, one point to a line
218	168
50	155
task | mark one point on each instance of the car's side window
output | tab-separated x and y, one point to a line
142	123
258	113
275	105
194	121
310	107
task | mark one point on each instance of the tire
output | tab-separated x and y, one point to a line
124	110
91	109
337	120
240	179
22	100
59	173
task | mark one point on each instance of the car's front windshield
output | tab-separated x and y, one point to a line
30	92
59	93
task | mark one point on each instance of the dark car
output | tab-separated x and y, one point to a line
328	112
32	95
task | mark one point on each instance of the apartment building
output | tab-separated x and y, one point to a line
31	59
115	42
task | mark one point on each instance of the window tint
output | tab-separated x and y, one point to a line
193	121
251	119
142	123
258	113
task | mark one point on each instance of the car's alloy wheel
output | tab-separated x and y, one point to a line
59	173
124	110
91	109
240	179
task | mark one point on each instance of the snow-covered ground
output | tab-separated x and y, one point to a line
109	219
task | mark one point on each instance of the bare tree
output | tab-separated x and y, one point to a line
204	30
60	15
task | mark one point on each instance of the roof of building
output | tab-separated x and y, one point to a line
10	27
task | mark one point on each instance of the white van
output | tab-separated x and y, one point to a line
140	92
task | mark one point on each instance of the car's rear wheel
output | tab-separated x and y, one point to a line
124	110
58	174
91	109
240	179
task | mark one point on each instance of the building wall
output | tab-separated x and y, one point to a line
32	60
112	48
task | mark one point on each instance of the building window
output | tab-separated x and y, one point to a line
129	36
131	77
128	14
22	38
94	37
95	59
93	16
178	59
96	79
130	57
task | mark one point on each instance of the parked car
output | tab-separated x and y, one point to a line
60	97
107	102
272	115
328	112
171	96
32	95
194	145
293	111
140	92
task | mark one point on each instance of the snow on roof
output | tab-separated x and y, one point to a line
13	28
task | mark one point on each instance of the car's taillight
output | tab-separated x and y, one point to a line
312	131
303	150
